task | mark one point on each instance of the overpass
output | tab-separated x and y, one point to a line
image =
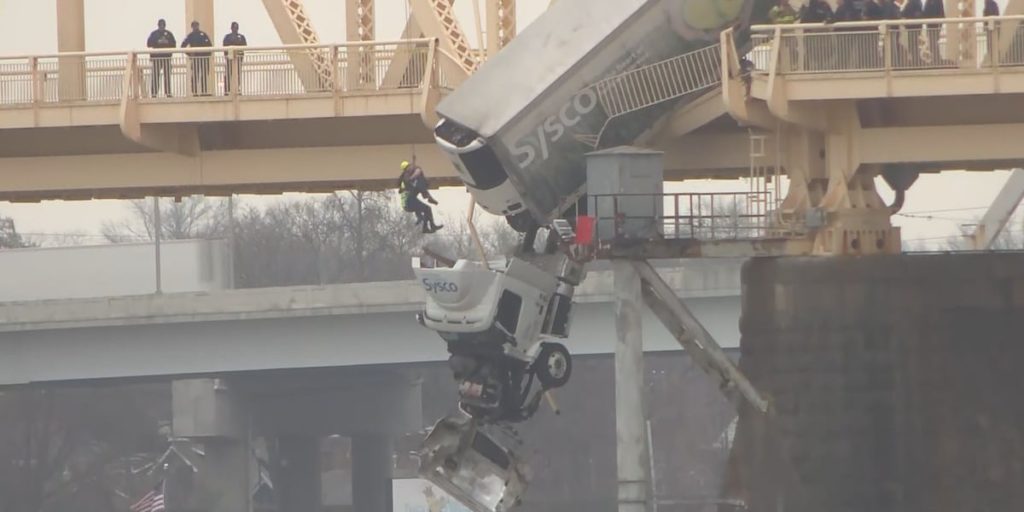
215	332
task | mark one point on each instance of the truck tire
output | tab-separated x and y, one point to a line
553	366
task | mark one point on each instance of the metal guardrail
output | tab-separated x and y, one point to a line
251	72
693	215
662	81
891	45
652	84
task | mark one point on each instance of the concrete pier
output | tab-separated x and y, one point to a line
300	485
630	419
896	381
371	473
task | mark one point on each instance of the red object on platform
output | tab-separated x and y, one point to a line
584	230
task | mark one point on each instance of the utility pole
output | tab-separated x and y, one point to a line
156	237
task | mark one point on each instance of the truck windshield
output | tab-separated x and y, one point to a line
485	169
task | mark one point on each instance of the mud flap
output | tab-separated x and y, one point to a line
471	466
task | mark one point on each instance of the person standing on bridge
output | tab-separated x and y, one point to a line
200	61
161	38
855	45
991	8
991	29
234	65
412	183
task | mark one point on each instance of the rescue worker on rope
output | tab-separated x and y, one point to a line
412	184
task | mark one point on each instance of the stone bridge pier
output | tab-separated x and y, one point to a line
294	411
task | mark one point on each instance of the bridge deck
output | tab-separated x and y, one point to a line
333	115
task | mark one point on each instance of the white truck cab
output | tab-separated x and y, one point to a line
478	309
480	171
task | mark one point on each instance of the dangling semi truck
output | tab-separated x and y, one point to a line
586	75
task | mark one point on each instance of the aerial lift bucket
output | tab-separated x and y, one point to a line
471	466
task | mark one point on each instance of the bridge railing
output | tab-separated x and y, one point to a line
688	215
186	74
890	45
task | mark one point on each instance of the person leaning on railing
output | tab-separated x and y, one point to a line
234	38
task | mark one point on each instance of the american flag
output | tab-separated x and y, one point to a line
153	501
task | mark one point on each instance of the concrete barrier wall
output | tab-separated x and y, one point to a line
113	270
896	382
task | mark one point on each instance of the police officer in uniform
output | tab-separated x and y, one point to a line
234	64
200	61
161	38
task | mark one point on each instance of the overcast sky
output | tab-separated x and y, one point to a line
29	26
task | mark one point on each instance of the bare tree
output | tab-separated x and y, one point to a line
56	444
191	217
1009	238
351	236
59	239
9	237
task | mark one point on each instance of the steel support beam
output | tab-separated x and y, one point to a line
202	11
71	38
942	144
436	18
999	212
293	26
360	62
360	23
214	172
695	339
501	24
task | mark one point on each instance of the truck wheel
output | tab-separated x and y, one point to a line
553	365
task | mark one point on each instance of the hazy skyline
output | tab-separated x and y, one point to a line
29	27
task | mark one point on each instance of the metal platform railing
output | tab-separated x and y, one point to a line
691	215
891	45
662	81
258	72
645	86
